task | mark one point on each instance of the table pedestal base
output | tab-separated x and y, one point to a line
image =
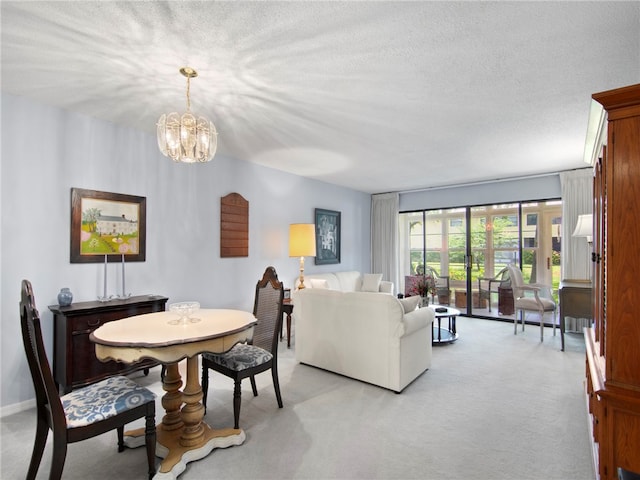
176	456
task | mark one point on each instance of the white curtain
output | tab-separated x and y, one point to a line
384	236
577	199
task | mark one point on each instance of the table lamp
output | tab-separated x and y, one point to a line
584	227
302	243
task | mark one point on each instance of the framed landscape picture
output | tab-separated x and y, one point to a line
327	236
110	224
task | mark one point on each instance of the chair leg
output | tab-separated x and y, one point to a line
254	387
205	385
59	455
542	328
120	438
515	321
276	384
150	441
42	431
236	404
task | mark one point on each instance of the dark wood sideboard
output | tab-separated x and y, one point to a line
74	358
576	299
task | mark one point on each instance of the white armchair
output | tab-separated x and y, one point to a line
530	297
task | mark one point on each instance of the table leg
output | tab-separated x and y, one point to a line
439	339
288	330
172	400
193	410
183	436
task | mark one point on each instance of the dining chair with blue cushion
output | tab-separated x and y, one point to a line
83	413
258	355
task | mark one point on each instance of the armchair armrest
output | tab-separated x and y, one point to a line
531	287
386	287
547	290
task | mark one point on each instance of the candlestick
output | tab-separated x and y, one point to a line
123	289
104	297
105	278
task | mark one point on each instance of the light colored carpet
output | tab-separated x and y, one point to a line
492	406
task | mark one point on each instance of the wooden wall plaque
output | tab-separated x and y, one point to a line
234	226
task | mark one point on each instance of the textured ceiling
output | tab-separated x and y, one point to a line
376	96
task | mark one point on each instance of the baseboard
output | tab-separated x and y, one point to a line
17	407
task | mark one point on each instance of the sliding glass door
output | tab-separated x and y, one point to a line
473	245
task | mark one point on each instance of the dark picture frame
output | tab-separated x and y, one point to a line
107	224
327	236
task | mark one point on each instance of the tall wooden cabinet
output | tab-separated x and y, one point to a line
74	356
613	344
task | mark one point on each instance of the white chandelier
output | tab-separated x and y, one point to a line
183	138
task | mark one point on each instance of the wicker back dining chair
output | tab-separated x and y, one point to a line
258	355
83	413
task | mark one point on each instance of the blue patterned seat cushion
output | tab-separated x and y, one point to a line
240	357
102	400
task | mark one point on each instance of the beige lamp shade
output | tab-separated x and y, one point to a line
302	240
584	227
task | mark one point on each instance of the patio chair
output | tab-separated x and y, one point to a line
532	297
487	286
443	290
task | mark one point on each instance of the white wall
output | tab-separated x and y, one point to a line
542	187
47	151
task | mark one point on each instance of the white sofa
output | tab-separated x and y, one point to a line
362	335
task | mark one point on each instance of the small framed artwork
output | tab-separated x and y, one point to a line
104	224
287	294
327	236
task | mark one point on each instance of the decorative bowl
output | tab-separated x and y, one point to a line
184	310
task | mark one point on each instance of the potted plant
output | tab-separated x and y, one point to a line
423	286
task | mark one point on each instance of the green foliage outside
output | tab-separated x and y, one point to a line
502	238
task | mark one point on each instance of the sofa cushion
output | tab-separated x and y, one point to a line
331	279
409	303
349	281
371	282
319	283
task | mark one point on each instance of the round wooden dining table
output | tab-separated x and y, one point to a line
182	436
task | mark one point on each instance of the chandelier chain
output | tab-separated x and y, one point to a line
188	94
